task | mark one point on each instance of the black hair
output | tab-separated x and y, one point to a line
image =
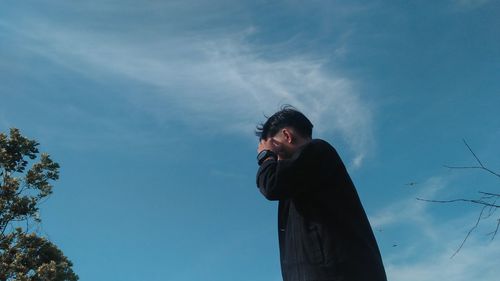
286	116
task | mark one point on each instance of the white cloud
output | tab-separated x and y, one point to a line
216	81
411	210
428	243
477	261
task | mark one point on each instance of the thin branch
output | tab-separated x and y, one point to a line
470	231
491	172
470	149
481	165
487	200
473	167
489	193
494	233
491	210
480	202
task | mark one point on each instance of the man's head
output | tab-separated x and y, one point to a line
288	128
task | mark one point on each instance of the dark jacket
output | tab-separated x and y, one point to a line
324	233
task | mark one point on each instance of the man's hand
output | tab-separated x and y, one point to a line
272	144
267	144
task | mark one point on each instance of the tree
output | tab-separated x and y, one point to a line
487	200
25	180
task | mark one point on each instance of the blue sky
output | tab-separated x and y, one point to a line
150	106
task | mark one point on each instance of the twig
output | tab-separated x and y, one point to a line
487	200
491	194
491	210
481	165
468	233
494	233
470	149
480	202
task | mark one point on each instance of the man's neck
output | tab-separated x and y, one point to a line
303	141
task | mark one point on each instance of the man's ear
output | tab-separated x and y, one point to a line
288	135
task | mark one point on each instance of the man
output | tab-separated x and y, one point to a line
324	233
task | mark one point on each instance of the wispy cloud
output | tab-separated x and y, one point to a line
427	242
432	261
220	80
409	210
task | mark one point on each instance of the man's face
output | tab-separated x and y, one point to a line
284	143
283	146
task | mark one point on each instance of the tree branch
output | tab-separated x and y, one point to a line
481	165
475	201
494	233
470	231
487	199
474	154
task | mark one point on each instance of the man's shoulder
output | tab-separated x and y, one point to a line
317	148
321	144
323	149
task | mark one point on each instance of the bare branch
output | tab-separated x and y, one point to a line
489	193
470	149
487	200
481	165
480	202
470	231
494	233
474	167
491	210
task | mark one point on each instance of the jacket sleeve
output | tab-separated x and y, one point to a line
285	178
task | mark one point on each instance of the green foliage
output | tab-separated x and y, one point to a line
25	256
